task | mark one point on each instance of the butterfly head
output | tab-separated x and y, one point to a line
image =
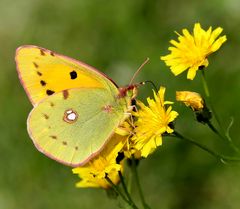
129	91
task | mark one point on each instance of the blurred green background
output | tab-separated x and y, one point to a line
115	37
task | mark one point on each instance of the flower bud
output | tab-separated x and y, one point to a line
190	99
196	103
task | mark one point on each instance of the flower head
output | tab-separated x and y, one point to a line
192	50
93	174
151	122
190	99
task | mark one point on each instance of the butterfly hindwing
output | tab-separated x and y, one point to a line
43	73
73	125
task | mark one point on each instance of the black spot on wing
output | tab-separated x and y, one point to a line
50	92
45	116
53	137
35	65
39	73
43	83
73	74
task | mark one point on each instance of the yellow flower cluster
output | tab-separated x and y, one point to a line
142	133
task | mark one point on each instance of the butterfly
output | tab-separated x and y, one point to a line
76	108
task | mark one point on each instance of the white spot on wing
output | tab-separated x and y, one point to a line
70	116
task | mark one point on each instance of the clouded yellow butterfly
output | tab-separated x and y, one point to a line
76	108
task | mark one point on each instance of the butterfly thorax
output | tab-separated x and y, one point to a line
128	91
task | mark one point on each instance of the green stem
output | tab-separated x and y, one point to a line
207	92
135	173
118	191
129	183
220	157
125	188
205	85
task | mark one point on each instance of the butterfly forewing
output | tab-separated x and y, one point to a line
43	73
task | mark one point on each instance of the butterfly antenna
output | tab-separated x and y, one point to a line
138	70
153	84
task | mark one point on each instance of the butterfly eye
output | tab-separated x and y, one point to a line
70	116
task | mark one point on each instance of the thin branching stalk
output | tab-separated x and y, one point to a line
222	134
223	137
222	158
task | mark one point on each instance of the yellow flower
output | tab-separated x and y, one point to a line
151	122
190	99
192	50
94	172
